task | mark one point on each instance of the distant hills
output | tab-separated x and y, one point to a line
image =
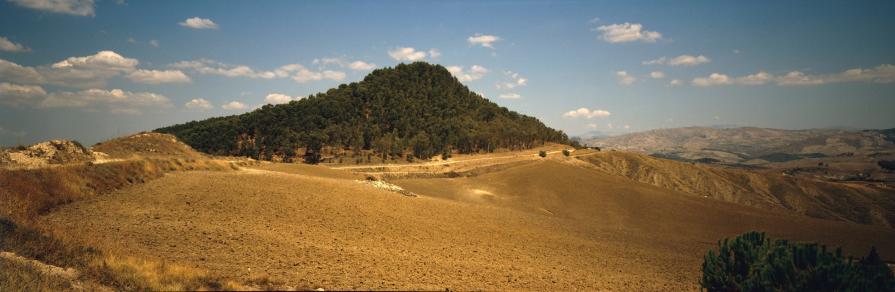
752	145
415	109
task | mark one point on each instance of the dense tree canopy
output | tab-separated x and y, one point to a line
418	109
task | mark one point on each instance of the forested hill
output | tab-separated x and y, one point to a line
417	109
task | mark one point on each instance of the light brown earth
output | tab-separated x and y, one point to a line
539	224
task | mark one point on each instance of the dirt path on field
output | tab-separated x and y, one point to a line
536	226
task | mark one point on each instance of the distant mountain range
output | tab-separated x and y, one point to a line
751	145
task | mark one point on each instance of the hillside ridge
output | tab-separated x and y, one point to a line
416	109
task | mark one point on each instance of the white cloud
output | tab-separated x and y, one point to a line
361	66
211	67
333	75
510	96
627	32
657	74
279	98
72	7
154	43
586	113
627	127
713	79
198	104
675	82
516	80
592	126
16	73
682	60
16	95
199	23
158	77
88	71
106	60
434	53
475	72
115	100
884	73
407	54
357	65
755	79
132	40
9	46
234	105
484	40
624	78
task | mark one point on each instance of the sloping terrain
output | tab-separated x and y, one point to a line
742	144
858	203
146	144
546	224
44	154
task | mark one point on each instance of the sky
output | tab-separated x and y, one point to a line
93	70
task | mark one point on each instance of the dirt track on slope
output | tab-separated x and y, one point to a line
538	226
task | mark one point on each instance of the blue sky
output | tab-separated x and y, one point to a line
90	71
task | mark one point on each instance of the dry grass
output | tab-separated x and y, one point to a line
29	193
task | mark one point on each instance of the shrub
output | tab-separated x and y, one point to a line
753	262
409	157
566	152
542	153
887	164
445	155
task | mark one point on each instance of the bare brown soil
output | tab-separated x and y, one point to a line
541	224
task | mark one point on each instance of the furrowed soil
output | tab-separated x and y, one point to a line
536	225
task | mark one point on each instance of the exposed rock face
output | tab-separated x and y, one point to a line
43	154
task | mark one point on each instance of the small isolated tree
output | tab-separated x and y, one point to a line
542	153
753	262
445	155
566	152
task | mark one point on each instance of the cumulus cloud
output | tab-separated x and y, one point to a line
115	100
884	73
657	74
510	96
88	71
475	72
199	23
516	80
675	82
304	75
234	105
627	32
712	79
211	67
586	113
682	60
361	66
106	60
16	73
624	78
434	53
484	40
17	95
198	104
72	7
357	65
279	98
158	77
7	45
154	43
406	54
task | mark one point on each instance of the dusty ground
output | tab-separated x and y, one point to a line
538	225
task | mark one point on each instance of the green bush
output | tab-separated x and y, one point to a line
753	262
566	152
542	153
